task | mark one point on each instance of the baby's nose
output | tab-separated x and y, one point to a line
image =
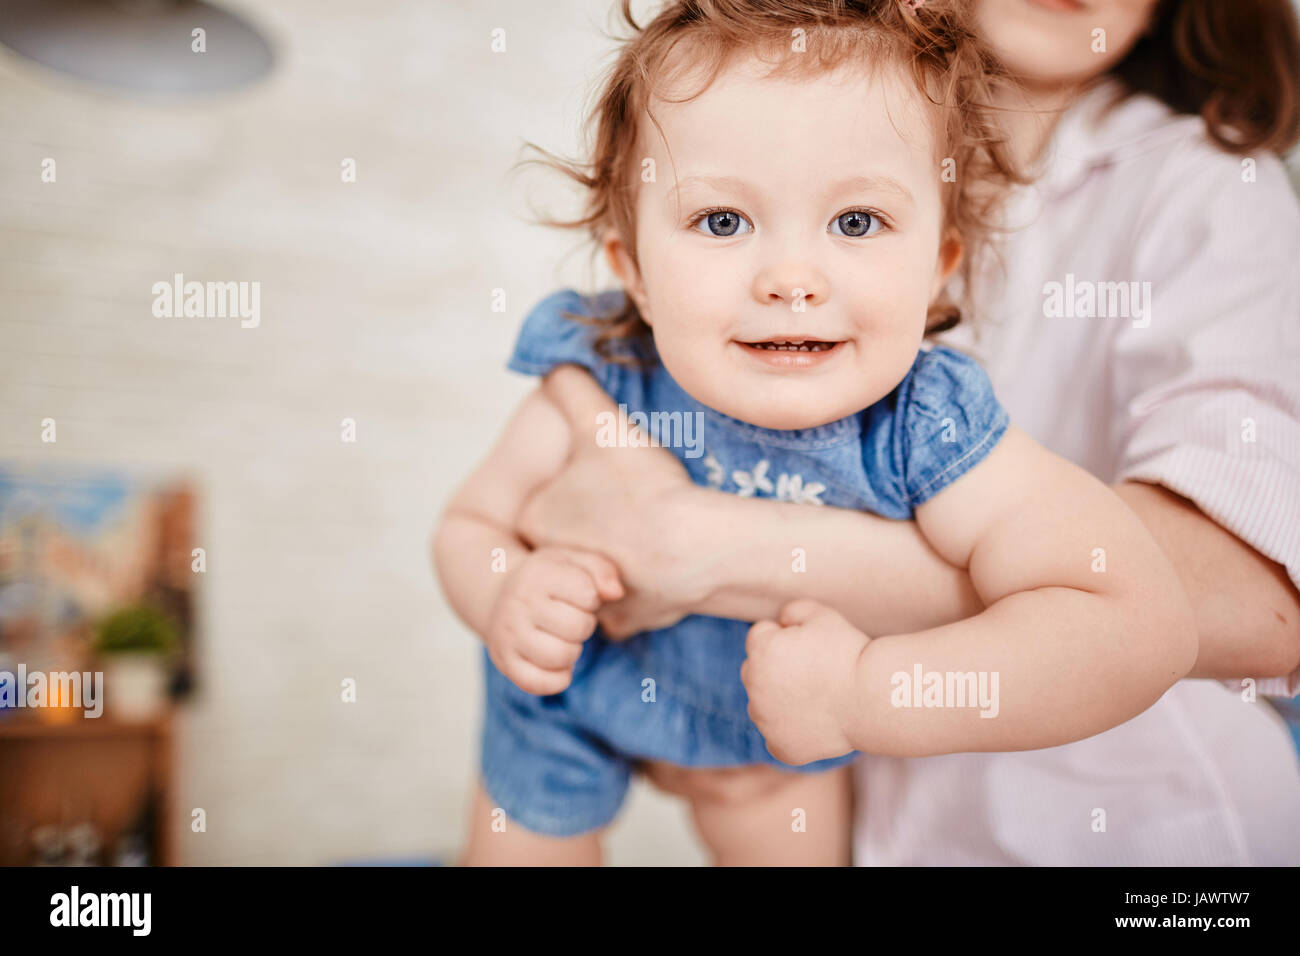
797	292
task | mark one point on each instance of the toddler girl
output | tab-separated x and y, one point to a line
784	190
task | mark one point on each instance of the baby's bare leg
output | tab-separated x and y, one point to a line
751	816
516	846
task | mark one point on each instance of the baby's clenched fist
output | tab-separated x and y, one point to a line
800	673
545	613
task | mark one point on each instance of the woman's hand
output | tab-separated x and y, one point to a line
683	549
627	503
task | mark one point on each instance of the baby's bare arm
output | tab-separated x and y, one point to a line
480	518
1087	624
532	608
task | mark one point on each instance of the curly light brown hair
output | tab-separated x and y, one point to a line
955	74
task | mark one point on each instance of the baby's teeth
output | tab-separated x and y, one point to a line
791	347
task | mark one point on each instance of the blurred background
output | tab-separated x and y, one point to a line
234	522
376	303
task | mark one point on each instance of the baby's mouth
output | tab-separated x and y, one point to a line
792	345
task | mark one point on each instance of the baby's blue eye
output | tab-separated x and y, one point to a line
723	223
856	223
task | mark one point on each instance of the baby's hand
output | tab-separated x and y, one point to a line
799	674
544	614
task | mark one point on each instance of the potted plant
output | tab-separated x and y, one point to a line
135	644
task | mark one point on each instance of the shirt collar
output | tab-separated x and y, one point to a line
1086	136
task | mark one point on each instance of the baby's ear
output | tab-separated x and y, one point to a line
621	261
951	250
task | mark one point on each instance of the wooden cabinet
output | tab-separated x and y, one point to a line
84	770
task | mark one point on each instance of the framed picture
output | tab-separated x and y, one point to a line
80	545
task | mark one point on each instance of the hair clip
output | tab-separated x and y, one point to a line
914	4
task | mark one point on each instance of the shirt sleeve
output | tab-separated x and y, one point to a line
1208	390
550	336
950	421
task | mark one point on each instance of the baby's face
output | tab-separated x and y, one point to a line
790	247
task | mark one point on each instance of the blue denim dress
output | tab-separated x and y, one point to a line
560	764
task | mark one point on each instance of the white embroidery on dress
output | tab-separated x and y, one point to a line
792	488
751	482
715	475
787	487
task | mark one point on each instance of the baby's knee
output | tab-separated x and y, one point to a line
728	786
766	816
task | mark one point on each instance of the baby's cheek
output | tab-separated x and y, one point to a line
688	358
875	371
890	344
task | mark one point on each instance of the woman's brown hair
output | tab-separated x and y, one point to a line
935	42
1235	63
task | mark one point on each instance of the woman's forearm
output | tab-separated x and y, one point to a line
685	549
883	577
1247	610
755	555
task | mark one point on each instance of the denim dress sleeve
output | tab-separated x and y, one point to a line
949	420
549	337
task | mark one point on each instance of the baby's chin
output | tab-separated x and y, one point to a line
788	422
780	416
782	402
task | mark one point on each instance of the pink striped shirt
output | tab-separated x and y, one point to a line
1147	327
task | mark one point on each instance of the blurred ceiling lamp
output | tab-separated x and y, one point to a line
145	46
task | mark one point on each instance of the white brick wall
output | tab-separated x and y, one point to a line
374	306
